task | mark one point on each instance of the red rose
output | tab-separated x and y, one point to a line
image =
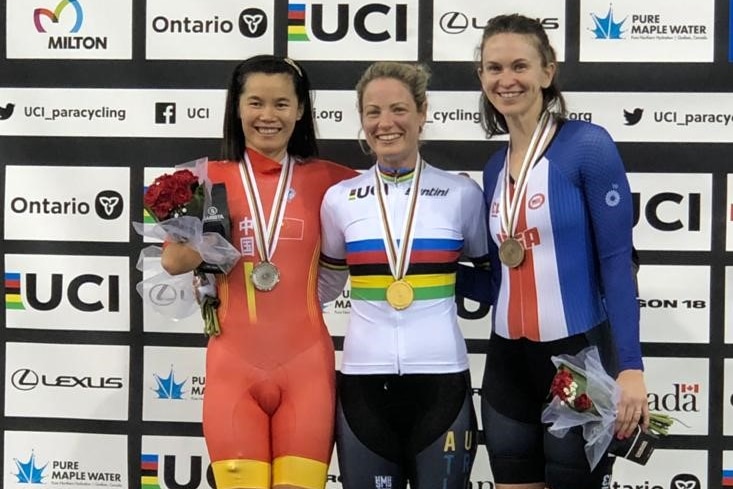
583	402
169	194
562	380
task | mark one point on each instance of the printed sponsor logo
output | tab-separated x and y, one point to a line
66	292
345	30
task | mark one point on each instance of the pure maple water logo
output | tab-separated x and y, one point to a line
29	472
167	387
606	27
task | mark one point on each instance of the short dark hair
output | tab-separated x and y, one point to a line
492	120
303	140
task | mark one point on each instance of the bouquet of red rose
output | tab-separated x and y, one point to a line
176	202
583	394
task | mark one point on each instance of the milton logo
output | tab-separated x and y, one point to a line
20	294
685	481
168	388
55	15
252	22
29	472
7	111
44	16
633	118
297	30
606	27
682	399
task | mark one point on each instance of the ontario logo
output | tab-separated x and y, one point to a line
55	15
606	27
168	388
29	472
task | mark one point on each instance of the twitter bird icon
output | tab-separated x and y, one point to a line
6	112
633	117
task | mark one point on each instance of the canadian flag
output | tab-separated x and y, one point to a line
695	388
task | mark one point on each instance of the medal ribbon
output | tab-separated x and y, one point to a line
509	208
398	253
266	233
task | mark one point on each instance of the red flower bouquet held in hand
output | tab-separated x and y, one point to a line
176	202
175	195
584	395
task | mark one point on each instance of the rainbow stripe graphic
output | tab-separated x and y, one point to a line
432	271
296	22
12	292
149	471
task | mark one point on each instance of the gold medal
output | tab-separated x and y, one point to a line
511	252
400	294
265	276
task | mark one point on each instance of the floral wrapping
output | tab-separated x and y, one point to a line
583	394
177	201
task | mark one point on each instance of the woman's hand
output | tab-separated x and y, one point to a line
633	408
179	258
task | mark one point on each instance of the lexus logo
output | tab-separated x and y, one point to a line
163	295
454	22
24	379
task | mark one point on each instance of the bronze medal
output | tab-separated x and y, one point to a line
265	276
511	252
400	294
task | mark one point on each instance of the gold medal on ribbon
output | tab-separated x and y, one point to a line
265	276
400	294
511	252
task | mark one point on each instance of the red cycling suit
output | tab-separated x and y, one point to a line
269	402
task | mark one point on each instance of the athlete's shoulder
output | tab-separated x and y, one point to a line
496	161
220	169
336	171
583	133
453	180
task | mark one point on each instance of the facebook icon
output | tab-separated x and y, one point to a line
165	113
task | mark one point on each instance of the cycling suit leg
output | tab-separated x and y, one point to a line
447	462
360	467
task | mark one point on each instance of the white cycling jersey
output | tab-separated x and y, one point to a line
450	223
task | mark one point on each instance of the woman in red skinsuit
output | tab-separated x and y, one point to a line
269	402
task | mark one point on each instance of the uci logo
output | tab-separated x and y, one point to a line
364	21
686	207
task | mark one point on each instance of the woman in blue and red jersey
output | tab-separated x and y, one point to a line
560	225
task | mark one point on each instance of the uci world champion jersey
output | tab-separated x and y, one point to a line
575	223
449	223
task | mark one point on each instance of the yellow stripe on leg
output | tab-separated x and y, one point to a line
230	474
299	471
250	290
